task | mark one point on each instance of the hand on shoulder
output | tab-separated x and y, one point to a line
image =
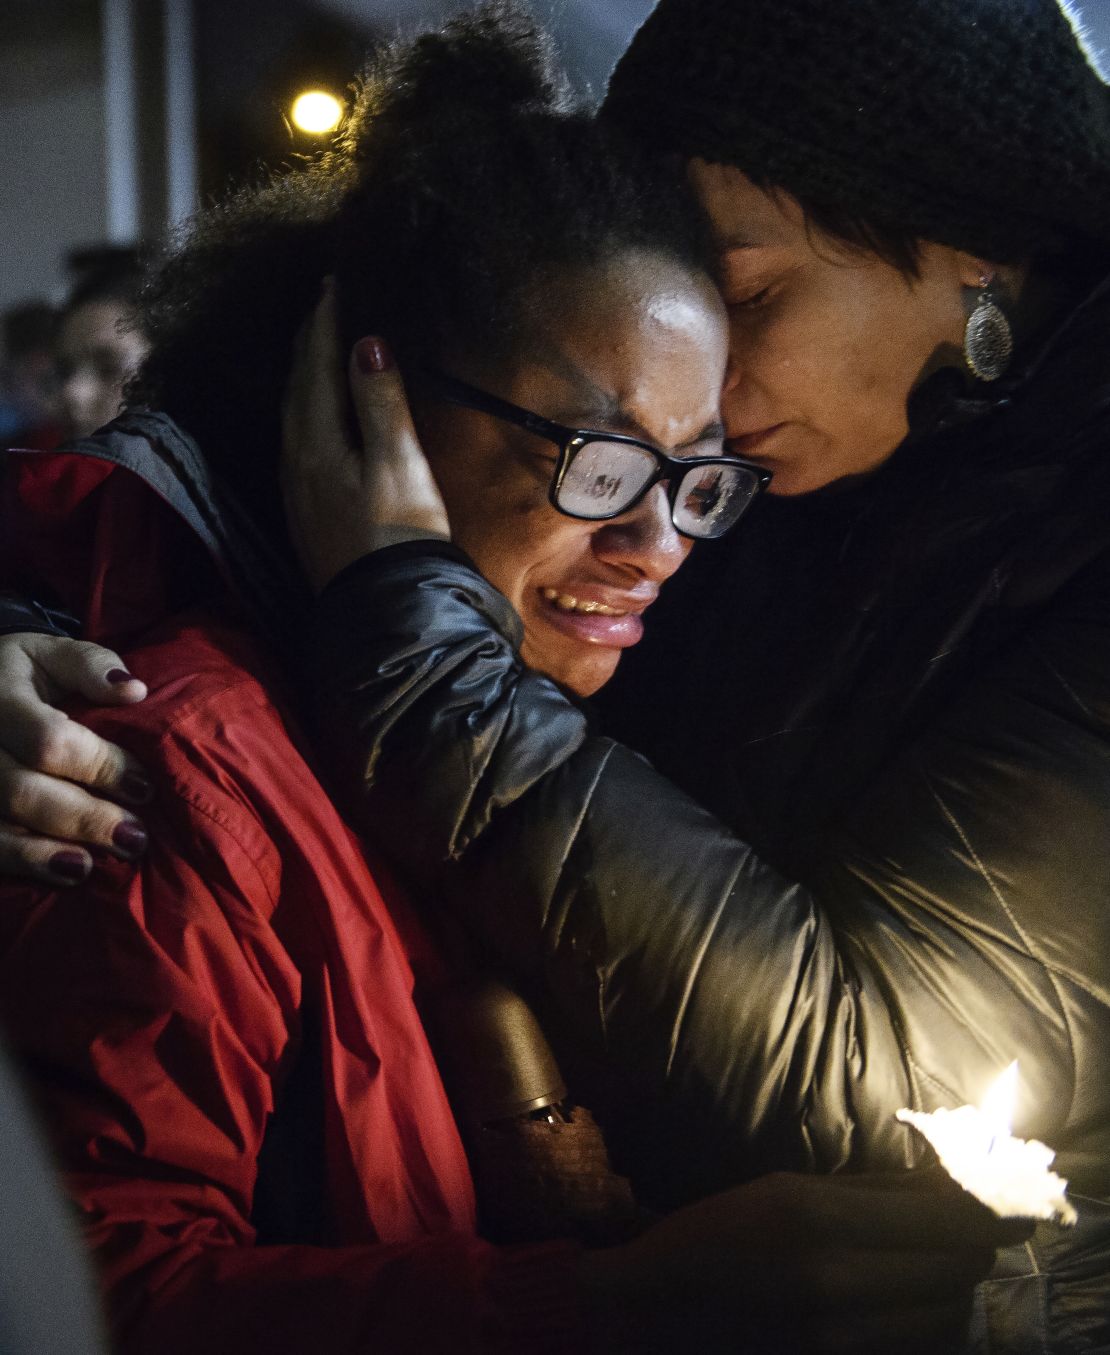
63	789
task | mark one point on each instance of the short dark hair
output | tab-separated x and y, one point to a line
1081	261
857	232
27	328
461	180
106	273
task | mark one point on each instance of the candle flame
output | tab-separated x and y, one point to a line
998	1102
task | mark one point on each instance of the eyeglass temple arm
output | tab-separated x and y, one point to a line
463	394
470	397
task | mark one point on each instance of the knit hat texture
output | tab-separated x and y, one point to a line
975	123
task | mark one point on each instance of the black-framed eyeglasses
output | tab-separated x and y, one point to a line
601	475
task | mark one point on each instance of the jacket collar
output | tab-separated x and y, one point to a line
261	578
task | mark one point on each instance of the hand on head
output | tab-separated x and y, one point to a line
343	501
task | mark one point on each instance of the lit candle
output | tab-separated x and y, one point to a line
975	1146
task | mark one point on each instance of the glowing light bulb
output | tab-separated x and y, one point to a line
316	112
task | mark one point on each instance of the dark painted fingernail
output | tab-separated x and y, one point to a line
117	675
135	788
69	866
373	355
130	838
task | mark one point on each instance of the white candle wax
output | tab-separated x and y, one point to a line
1008	1174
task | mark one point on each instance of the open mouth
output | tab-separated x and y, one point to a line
566	602
590	621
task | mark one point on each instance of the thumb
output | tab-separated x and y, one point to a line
379	397
77	667
404	495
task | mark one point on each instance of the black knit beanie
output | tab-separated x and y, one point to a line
975	123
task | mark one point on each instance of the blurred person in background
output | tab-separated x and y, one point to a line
99	344
29	408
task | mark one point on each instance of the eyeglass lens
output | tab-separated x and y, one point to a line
711	499
605	478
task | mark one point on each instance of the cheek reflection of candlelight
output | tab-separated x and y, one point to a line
975	1146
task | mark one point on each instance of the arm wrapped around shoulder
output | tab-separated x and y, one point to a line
450	724
711	993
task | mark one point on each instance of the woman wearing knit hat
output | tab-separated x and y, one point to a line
891	689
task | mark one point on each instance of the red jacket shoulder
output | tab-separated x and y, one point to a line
221	748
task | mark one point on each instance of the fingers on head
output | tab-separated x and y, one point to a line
315	394
317	343
325	323
375	382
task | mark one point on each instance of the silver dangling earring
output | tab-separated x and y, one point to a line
988	338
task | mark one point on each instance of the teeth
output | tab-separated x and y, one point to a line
566	603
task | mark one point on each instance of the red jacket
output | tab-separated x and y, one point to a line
246	981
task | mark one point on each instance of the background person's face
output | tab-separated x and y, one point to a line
95	357
635	347
825	344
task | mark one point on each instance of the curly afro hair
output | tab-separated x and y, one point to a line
460	181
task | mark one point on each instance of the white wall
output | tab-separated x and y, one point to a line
51	164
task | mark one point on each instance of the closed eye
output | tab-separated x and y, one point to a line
753	301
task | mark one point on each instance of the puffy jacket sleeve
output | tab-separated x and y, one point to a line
755	1020
718	995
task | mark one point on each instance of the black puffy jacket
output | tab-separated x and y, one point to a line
895	699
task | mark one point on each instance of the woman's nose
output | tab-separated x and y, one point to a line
732	372
739	395
643	539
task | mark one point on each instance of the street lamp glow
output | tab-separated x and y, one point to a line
316	112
